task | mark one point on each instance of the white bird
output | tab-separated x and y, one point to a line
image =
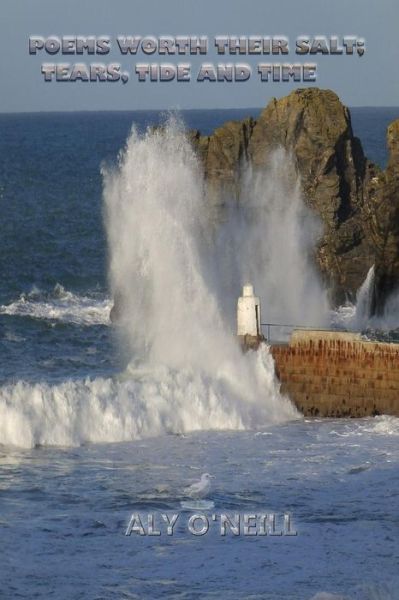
201	488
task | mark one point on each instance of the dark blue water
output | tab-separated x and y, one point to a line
370	125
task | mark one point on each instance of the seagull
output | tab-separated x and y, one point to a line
201	488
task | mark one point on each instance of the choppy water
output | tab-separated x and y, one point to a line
66	495
64	513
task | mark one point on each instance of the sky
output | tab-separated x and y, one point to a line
369	80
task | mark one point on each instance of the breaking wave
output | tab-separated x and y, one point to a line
145	402
185	370
61	305
357	316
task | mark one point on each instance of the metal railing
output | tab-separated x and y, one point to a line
282	331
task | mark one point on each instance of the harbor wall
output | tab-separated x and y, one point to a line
333	374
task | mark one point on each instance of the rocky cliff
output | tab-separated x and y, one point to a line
382	220
356	201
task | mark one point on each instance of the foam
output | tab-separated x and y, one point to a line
145	403
60	305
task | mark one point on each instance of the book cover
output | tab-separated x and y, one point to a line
199	300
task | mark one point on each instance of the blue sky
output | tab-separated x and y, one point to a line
367	81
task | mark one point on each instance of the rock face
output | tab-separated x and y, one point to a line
316	128
222	155
382	209
357	203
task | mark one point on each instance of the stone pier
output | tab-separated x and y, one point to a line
334	374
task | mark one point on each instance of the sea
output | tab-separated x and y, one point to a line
102	423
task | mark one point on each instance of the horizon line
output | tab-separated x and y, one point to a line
121	110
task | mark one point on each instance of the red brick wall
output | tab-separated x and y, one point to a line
339	377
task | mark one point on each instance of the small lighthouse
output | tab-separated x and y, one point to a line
248	318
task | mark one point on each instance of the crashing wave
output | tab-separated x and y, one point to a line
145	402
60	305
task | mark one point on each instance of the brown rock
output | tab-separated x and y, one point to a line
382	208
357	203
315	127
223	154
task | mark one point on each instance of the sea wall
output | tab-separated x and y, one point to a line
332	374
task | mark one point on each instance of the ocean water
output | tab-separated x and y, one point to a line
96	424
64	513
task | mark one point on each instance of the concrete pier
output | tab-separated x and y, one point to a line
334	374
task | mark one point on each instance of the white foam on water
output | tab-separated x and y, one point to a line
383	425
186	370
151	403
60	305
379	425
357	316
